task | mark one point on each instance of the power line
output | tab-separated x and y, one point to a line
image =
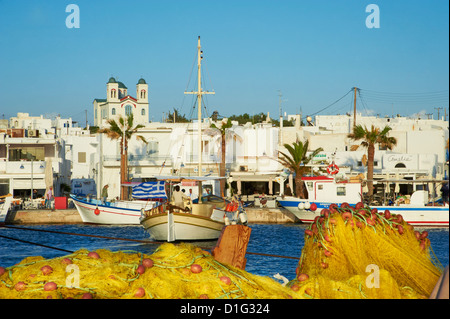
328	106
434	97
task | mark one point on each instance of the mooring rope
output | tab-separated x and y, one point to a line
118	238
37	244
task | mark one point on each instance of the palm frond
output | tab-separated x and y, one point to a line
141	138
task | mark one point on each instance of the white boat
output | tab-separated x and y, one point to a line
323	191
93	211
201	221
5	205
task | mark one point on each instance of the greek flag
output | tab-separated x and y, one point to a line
149	190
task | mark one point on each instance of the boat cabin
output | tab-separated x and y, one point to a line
326	189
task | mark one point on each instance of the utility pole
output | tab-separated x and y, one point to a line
354	107
438	108
281	118
428	115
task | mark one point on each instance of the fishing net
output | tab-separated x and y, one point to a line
357	252
349	252
171	272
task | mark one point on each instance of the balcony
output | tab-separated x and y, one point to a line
21	167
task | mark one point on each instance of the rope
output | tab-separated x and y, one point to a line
126	239
37	244
85	235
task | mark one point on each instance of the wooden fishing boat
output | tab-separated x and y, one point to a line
198	221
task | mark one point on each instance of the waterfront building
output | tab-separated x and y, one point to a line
29	162
78	157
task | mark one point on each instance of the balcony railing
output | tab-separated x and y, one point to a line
136	160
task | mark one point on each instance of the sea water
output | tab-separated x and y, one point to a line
274	239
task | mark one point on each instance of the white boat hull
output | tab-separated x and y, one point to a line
185	226
4	208
118	213
416	215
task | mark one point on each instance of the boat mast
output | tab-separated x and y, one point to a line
199	93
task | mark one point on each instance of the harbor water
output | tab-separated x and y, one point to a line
274	239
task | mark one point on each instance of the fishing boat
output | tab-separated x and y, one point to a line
94	211
191	221
323	191
146	196
198	221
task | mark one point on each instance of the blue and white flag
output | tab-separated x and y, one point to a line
149	190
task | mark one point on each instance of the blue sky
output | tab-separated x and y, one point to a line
313	51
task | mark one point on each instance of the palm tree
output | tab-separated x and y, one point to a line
225	134
369	138
296	162
122	130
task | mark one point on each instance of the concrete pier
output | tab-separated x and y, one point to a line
71	216
43	216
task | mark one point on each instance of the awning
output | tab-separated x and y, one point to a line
22	183
253	177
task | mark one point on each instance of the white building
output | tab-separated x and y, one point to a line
36	152
119	103
31	163
251	150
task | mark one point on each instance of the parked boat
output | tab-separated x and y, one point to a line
192	221
94	211
323	191
197	221
5	205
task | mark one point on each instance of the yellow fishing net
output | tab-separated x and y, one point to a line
348	253
172	272
360	253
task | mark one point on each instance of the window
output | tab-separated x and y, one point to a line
143	112
340	191
152	147
17	153
113	111
359	163
81	157
128	109
142	94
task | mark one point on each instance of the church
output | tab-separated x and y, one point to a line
119	103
